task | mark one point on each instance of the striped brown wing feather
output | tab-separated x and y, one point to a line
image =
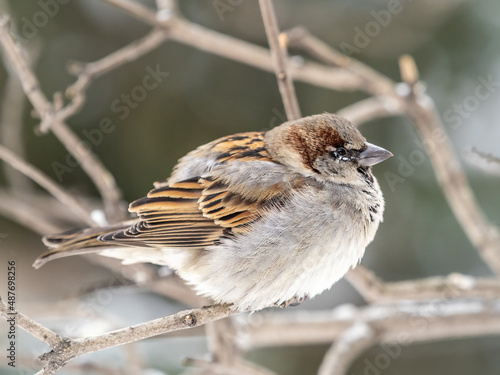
226	208
242	147
225	204
169	217
195	212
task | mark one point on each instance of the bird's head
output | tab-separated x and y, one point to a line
324	146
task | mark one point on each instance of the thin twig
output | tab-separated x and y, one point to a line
369	80
137	10
280	60
33	328
11	131
114	206
86	72
13	107
486	162
448	287
392	322
104	181
371	109
48	184
484	236
400	323
202	38
44	207
166	5
22	69
17	209
67	350
409	70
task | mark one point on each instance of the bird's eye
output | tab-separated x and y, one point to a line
341	151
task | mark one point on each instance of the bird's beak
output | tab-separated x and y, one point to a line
372	155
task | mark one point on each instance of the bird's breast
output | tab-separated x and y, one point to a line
298	249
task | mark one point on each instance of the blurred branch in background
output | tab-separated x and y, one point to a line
280	60
485	162
53	116
11	133
445	307
47	183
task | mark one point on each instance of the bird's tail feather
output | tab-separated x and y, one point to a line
75	242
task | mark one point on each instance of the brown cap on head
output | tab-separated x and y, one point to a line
299	143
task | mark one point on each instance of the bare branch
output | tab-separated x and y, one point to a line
67	350
210	41
28	79
33	328
350	343
367	79
166	5
18	210
11	131
137	10
452	286
280	60
484	236
483	161
89	71
90	163
400	323
371	109
104	180
48	184
409	70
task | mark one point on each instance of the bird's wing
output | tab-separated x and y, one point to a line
217	190
169	216
241	182
243	146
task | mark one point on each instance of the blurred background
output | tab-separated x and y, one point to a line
455	44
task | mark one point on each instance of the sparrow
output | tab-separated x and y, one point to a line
253	219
